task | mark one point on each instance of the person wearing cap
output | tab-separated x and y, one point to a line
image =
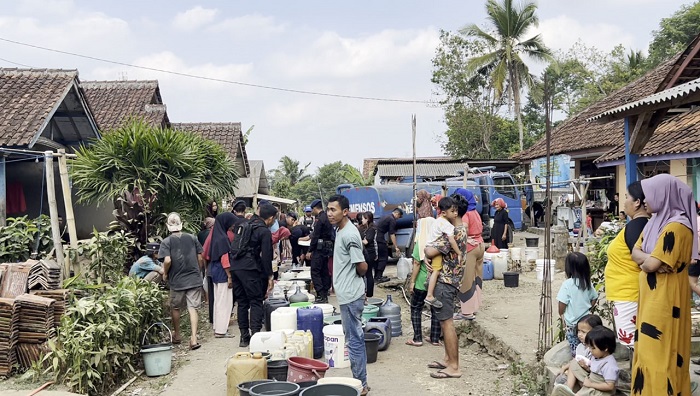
308	219
320	252
182	260
147	267
299	231
238	208
387	225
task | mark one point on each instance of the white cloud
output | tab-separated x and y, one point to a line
249	25
194	18
332	55
561	32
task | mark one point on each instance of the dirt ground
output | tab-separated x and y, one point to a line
509	314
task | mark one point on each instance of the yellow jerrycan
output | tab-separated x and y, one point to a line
243	367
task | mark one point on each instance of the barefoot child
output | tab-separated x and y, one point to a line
576	296
583	354
441	241
603	374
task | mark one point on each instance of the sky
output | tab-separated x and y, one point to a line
378	49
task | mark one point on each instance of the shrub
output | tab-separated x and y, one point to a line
21	236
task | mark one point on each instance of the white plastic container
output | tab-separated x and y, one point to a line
516	254
500	264
531	254
267	341
283	318
540	268
336	353
328	309
403	268
355	383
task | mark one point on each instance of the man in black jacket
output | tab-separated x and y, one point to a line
387	225
320	251
252	274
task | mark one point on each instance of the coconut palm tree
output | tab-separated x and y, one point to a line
509	23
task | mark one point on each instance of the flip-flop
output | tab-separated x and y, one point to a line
437	344
443	375
195	346
414	343
436	365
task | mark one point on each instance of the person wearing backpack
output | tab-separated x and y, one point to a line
320	252
251	255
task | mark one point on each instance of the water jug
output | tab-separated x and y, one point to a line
283	318
269	306
392	311
403	268
488	269
500	264
382	327
311	318
267	341
243	367
298	296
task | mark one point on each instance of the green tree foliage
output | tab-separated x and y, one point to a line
674	33
173	171
510	22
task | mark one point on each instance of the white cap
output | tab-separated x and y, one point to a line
174	222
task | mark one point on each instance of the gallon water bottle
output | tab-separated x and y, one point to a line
392	311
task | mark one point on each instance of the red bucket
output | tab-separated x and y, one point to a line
303	369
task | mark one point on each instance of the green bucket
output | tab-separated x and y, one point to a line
157	359
300	304
370	311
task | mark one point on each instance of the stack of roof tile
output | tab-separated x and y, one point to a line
36	318
28	354
44	274
61	296
9	333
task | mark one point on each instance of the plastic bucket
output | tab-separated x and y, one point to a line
516	254
370	311
307	384
157	359
303	369
329	320
511	279
351	382
532	242
330	389
375	301
275	388
372	346
335	351
244	387
539	267
300	304
277	370
531	254
327	309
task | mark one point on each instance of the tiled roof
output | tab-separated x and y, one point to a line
424	170
28	97
114	102
678	134
575	133
429	166
227	134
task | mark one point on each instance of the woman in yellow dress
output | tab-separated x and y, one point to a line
664	252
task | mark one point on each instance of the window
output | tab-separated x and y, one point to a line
504	186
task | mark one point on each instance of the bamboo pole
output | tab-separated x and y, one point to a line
53	212
415	187
67	198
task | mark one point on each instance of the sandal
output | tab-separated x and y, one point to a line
227	335
436	365
194	347
434	303
443	375
437	343
414	343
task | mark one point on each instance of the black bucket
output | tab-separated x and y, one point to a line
307	384
277	370
244	387
275	388
330	389
511	279
532	242
372	346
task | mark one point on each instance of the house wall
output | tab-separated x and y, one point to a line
679	168
621	181
29	175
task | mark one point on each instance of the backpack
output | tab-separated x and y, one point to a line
240	246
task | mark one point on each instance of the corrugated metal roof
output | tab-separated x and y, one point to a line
423	170
659	97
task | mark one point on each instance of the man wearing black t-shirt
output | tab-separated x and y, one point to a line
387	225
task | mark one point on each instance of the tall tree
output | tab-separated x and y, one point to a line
288	174
674	33
509	23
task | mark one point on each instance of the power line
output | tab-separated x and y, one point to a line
299	91
14	63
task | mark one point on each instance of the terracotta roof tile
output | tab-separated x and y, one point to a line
114	102
227	134
575	133
27	98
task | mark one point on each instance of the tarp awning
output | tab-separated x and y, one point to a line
271	198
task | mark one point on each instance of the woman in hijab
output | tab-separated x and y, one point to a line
220	272
668	244
499	232
423	205
470	290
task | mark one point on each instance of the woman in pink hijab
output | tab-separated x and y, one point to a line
664	251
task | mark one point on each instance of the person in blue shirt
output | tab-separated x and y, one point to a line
148	267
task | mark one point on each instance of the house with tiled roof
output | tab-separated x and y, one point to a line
594	143
40	110
227	134
114	102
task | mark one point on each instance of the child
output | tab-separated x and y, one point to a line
576	296
603	368
440	241
583	354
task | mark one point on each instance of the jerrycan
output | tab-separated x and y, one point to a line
243	367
